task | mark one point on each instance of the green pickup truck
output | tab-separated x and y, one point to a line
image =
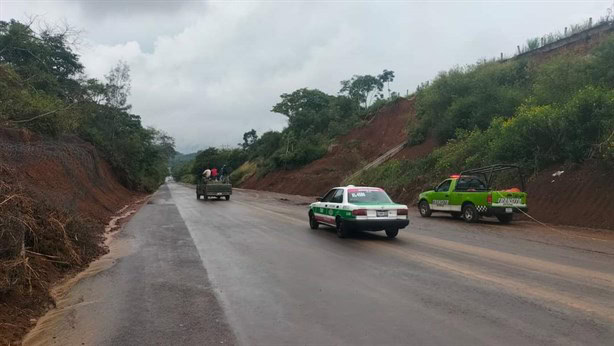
212	188
470	195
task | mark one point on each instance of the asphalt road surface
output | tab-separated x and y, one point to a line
250	271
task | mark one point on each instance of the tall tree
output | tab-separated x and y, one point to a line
362	88
302	100
249	138
118	85
386	77
44	59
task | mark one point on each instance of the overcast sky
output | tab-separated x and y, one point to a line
208	71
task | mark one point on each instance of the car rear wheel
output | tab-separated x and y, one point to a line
505	218
392	232
342	230
313	224
425	209
470	213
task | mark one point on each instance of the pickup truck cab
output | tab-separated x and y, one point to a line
360	208
468	195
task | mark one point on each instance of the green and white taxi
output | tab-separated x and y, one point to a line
358	208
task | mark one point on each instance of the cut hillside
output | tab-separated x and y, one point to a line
569	194
547	110
576	195
386	130
56	195
67	172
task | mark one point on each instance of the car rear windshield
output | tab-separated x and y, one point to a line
367	196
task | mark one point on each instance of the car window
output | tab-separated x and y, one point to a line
462	183
444	187
368	196
338	197
470	184
477	184
329	195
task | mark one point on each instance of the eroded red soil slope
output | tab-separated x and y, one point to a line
385	131
67	172
56	195
583	195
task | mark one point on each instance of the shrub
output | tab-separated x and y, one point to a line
242	173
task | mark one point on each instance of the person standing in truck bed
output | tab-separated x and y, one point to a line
214	173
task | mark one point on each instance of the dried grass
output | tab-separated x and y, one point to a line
38	241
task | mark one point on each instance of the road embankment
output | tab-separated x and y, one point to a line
56	196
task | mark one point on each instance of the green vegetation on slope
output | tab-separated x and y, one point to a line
315	119
561	110
43	88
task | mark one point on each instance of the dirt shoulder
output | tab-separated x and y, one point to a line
56	197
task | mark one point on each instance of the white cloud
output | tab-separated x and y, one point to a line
207	73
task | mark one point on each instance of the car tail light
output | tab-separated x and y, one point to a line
489	199
401	211
357	212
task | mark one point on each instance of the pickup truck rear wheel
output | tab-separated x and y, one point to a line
505	218
342	230
227	197
197	196
313	224
470	213
425	209
392	232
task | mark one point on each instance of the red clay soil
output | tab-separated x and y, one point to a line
67	172
386	130
582	196
67	179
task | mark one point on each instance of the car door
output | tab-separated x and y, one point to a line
459	194
441	196
334	205
323	211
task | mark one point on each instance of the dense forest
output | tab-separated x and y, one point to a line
43	88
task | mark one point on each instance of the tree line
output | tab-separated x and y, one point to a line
43	88
314	117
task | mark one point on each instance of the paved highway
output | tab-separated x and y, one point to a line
250	271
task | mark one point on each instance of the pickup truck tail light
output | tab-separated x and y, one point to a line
401	211
357	212
489	199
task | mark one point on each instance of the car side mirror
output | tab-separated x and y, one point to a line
319	199
434	188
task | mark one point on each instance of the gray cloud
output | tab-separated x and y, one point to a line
208	73
101	8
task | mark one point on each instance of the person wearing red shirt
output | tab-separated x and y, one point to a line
214	173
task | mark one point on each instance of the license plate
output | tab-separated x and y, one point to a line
381	213
219	193
508	210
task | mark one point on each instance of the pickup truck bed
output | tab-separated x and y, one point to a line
213	189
